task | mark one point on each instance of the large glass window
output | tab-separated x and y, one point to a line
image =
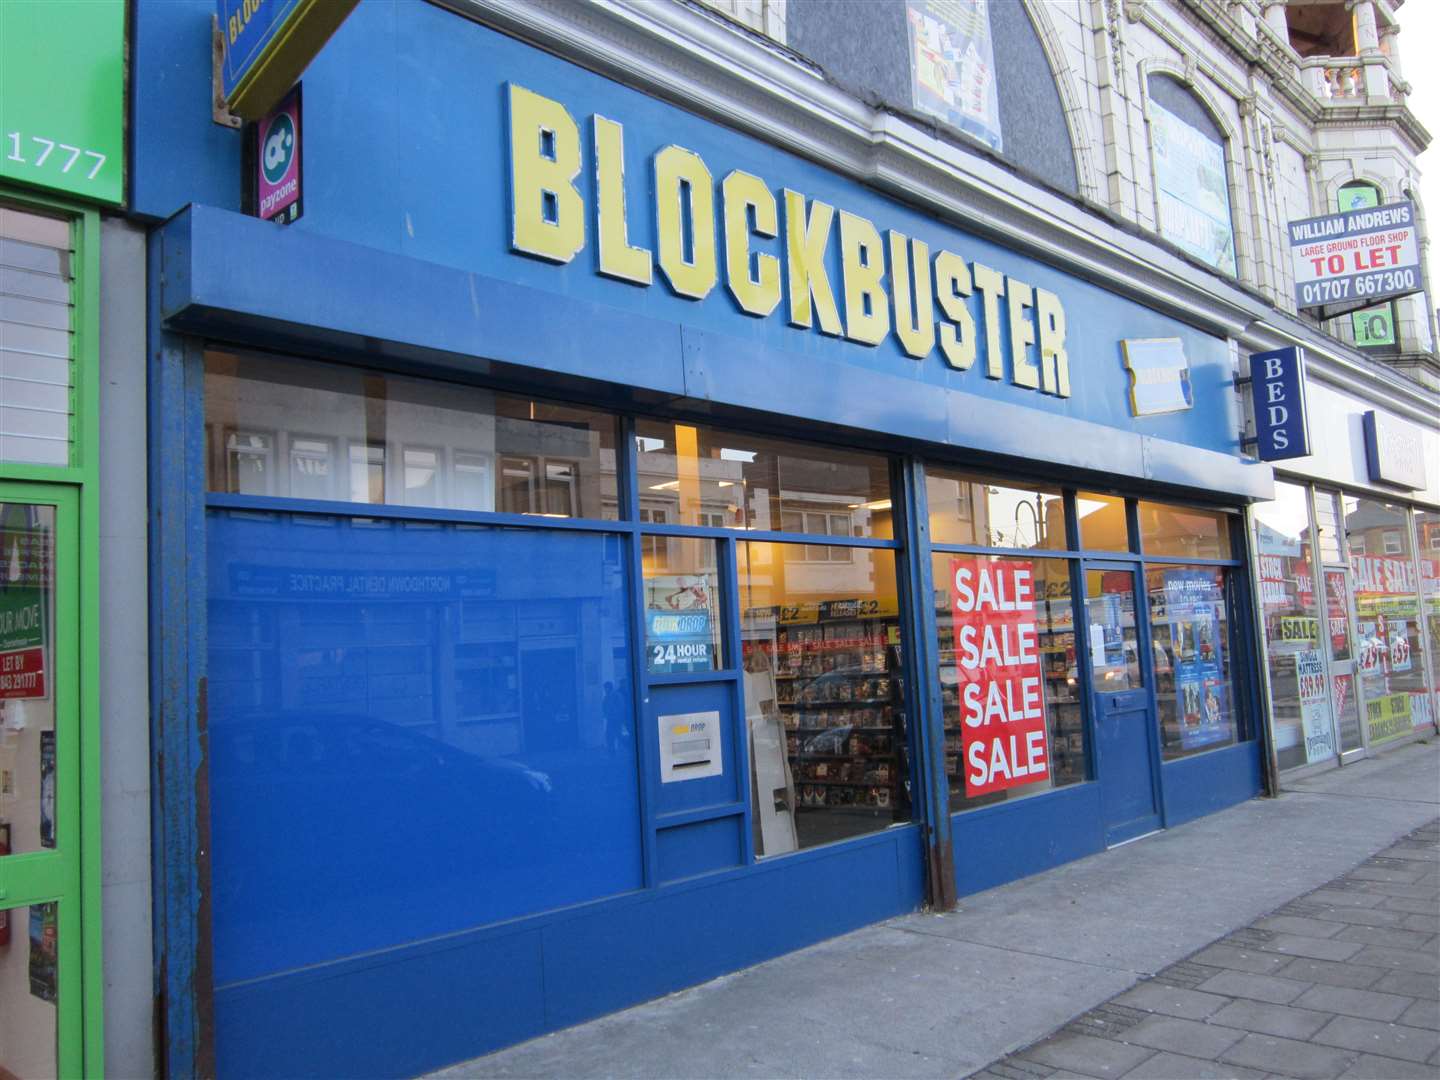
1299	697
415	728
299	429
1427	529
699	475
1009	683
1184	532
1194	698
969	509
1388	659
1102	522
824	695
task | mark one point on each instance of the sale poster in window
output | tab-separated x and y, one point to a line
1000	684
1314	705
1191	603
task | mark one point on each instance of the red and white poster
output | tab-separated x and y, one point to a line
1002	687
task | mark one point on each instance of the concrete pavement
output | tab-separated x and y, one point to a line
946	995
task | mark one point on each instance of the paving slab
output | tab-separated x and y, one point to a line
1088	970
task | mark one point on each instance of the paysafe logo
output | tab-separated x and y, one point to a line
1159	375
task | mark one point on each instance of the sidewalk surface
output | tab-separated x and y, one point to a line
1297	936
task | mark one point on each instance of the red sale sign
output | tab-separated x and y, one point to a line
1002	689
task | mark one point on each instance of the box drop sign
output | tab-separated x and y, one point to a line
997	657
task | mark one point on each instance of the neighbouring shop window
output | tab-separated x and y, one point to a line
824	695
1344	698
1327	527
1102	522
37	333
412	731
1183	531
1388	659
1192	186
970	509
1299	690
30	990
698	475
1189	627
28	778
301	429
1112	631
682	606
1009	681
1427	528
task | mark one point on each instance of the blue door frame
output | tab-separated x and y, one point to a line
1124	724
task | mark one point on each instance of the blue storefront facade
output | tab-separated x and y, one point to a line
595	549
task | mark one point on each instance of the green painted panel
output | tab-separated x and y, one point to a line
62	95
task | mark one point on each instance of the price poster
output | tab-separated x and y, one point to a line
1314	705
1001	687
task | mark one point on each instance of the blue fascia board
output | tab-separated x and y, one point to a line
264	282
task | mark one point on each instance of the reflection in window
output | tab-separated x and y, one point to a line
1389	657
969	509
825	704
1102	522
705	476
1007	665
1327	526
1191	634
1183	531
1299	701
462	691
1191	181
1427	528
30	991
400	441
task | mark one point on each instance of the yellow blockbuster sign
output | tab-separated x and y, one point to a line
549	216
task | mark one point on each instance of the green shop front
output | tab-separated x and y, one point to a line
603	550
61	159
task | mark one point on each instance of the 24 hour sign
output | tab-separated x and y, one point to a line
1002	689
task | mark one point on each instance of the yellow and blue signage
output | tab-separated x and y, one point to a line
268	43
1159	376
1277	389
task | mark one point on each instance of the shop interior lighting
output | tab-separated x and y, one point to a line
668	485
874	504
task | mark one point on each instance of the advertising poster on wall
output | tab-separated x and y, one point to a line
1194	198
952	65
678	628
1314	705
24	582
1195	637
1001	688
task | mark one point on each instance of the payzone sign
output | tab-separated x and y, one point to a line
997	660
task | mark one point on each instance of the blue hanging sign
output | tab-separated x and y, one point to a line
1277	388
268	44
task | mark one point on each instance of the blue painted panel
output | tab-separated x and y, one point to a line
425	1005
1201	784
406	1012
684	851
445	200
1016	839
407	732
1124	764
716	696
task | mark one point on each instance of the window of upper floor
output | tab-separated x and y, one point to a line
1192	184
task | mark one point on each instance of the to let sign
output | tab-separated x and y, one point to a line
1277	389
1358	255
1002	688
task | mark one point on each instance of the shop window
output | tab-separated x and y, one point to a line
1299	698
1192	186
703	475
1103	525
36	327
402	442
1389	657
1327	527
824	697
461	692
1427	526
970	509
683	615
1009	681
1183	531
1190	631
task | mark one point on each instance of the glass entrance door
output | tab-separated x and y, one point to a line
1123	703
40	1011
1340	634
